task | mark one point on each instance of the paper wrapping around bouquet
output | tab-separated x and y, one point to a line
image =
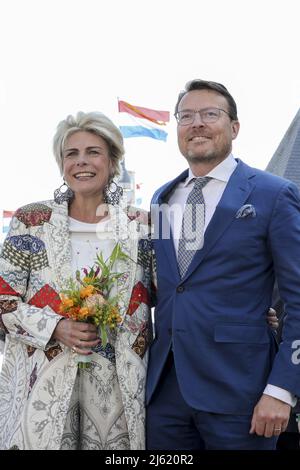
83	361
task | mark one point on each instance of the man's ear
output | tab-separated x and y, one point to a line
235	127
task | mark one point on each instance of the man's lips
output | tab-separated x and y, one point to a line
199	138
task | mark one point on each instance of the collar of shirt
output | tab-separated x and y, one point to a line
221	172
85	227
212	194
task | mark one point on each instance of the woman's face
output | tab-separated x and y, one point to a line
86	163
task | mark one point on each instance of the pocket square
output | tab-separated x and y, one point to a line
246	211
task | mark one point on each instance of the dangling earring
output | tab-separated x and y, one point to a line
61	195
112	193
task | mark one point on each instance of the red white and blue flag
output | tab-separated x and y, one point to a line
6	219
142	122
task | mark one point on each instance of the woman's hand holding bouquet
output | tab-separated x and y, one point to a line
89	308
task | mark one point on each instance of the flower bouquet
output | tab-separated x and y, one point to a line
87	298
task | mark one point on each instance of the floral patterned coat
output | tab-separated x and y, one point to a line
38	374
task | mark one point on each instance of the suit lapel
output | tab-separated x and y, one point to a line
165	243
162	229
235	195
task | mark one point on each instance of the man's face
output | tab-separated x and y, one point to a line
201	142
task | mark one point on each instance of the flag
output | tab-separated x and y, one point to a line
143	122
138	199
6	218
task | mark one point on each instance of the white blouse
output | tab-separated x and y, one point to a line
89	239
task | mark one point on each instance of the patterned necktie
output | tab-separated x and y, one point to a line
192	229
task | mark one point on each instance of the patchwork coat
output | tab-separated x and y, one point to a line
38	374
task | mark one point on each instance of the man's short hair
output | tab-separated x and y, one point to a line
198	84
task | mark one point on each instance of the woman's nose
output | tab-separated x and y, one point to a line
81	159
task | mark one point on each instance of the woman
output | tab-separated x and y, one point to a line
46	402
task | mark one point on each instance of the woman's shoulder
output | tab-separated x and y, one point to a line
36	205
35	213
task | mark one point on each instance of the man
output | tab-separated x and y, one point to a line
214	377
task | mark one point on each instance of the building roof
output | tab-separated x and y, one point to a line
286	160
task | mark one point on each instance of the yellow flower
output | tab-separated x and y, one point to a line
88	280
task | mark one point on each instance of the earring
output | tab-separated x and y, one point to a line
61	195
113	193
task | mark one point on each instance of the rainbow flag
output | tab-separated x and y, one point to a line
143	122
6	218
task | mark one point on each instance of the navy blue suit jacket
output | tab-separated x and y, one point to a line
224	351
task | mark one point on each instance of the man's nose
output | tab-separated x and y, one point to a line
197	120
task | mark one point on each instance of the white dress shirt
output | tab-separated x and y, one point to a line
212	193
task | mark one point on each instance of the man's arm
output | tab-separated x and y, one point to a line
271	415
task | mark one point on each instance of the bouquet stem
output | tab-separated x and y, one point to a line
103	335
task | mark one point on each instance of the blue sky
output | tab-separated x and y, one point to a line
61	56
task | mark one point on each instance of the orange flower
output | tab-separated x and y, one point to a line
73	313
84	312
87	291
66	304
63	312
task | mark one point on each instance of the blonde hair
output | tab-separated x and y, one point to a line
96	123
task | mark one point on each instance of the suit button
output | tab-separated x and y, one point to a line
180	289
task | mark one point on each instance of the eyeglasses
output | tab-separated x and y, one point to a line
207	115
